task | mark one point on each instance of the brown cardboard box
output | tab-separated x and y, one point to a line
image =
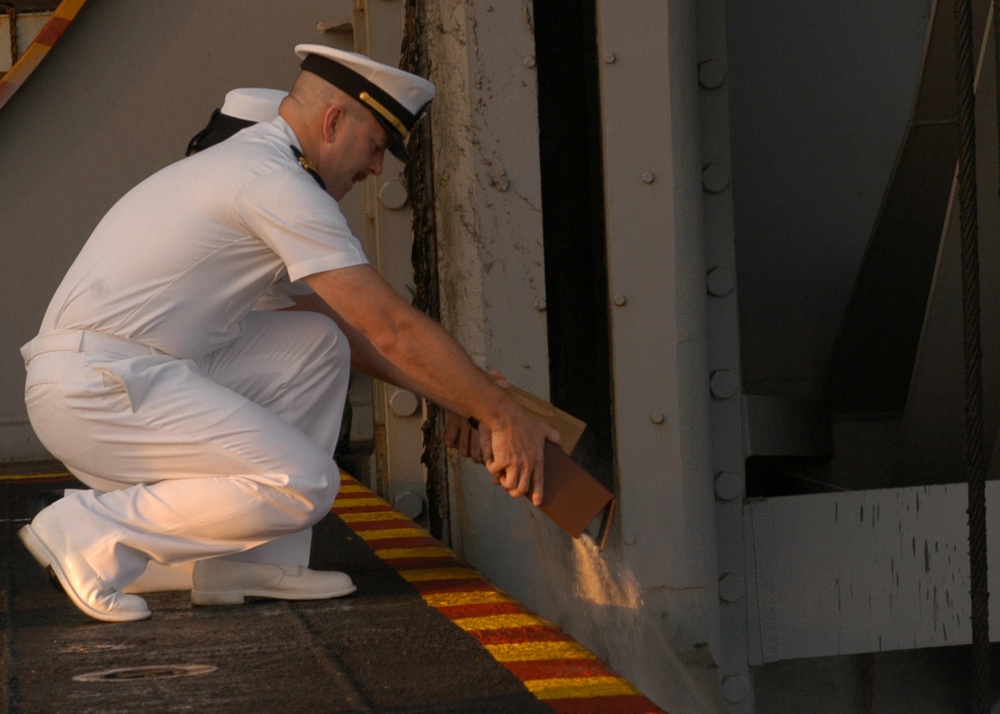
573	498
567	425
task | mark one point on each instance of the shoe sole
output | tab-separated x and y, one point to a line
238	597
40	552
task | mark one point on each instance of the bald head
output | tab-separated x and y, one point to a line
307	107
339	137
310	97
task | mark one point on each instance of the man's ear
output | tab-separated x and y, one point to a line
331	118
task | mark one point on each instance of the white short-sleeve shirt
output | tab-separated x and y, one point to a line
181	259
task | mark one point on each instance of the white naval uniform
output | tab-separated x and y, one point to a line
206	429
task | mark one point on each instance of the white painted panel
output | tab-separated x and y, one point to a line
6	56
29	24
26	28
861	571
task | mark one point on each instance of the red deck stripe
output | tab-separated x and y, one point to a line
339	507
391	520
485	609
621	704
444	561
402	542
516	635
556	668
451	586
348	495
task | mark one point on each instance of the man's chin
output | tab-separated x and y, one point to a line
340	192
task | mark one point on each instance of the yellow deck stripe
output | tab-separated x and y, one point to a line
474	597
387	533
498	622
420	575
353	502
579	687
370	516
535	651
429	552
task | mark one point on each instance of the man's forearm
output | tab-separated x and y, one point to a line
405	347
434	362
364	357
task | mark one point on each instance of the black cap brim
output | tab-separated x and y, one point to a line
397	144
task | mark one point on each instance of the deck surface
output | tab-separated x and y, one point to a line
424	633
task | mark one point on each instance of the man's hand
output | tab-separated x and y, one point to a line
471	441
517	477
460	435
514	456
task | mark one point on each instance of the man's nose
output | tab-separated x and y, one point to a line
376	165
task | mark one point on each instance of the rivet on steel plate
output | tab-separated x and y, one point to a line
728	486
648	177
735	689
393	194
618	300
723	383
715	178
404	403
657	418
409	503
711	74
720	281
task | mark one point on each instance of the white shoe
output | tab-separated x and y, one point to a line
228	582
46	540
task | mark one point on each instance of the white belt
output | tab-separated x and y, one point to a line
81	341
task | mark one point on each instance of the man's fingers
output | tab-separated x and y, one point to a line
510	482
522	482
538	487
486	447
505	477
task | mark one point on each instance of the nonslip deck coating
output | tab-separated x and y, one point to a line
425	632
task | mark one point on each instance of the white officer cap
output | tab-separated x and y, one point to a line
253	104
397	98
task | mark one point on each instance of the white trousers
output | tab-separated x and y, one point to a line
230	455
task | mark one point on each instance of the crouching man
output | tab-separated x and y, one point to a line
206	429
